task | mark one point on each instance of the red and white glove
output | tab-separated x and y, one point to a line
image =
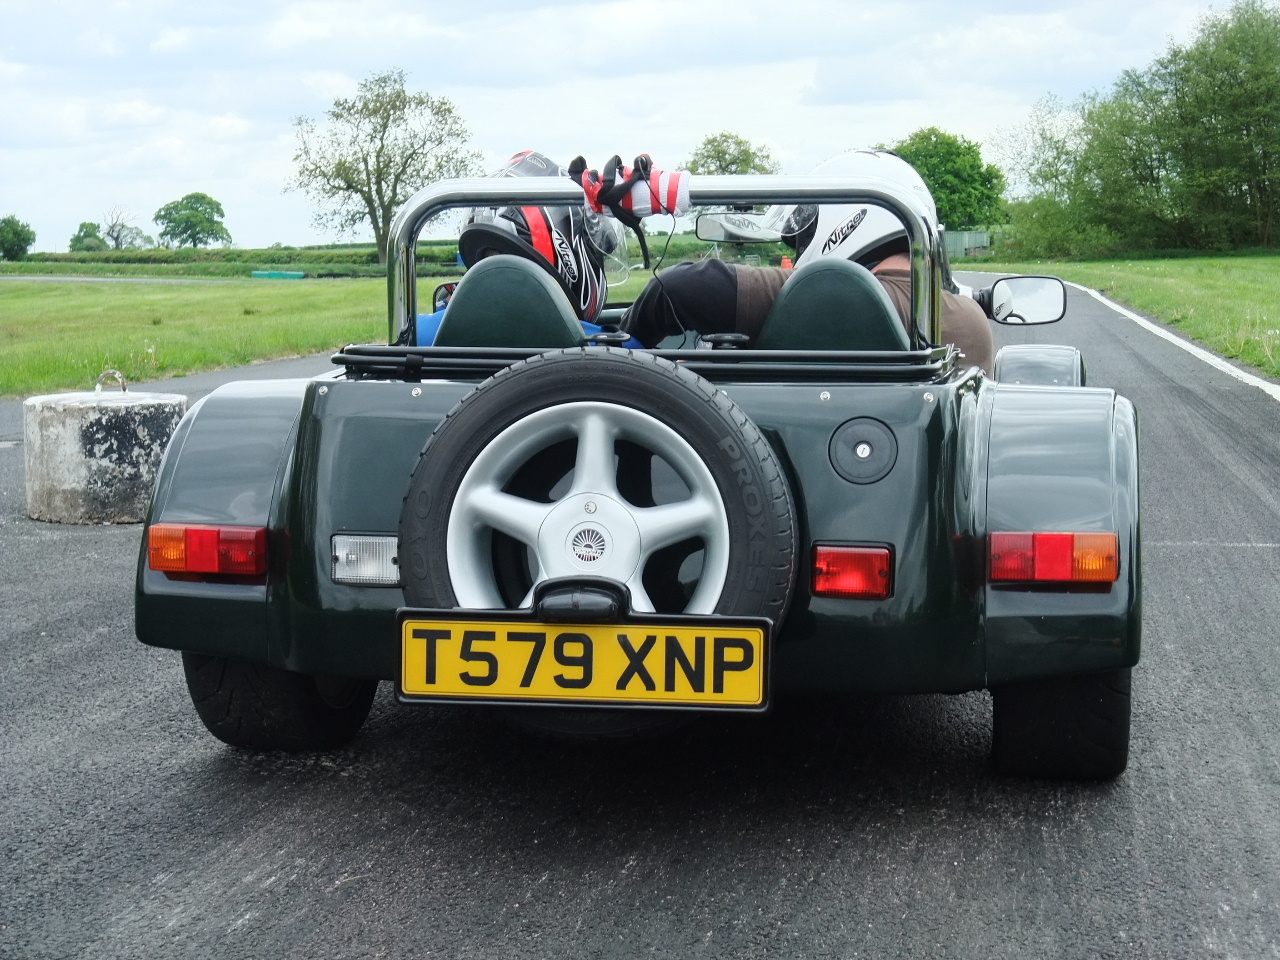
633	192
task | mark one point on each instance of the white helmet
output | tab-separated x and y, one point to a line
851	231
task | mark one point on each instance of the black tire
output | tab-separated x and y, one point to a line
259	707
1073	728
750	483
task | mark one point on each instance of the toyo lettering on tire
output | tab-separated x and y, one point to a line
599	462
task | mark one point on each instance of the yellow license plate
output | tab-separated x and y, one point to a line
713	663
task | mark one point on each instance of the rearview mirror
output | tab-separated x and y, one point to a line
1024	300
735	228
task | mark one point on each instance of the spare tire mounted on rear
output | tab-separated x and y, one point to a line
599	462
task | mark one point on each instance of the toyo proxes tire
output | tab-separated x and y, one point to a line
259	707
1066	728
599	462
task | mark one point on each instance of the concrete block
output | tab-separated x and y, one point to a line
92	457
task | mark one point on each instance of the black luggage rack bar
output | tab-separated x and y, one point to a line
414	364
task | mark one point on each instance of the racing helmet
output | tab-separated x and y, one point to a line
572	243
855	231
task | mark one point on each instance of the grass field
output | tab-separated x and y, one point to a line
206	269
1229	304
61	336
199	269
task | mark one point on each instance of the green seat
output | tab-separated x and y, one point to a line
508	301
832	305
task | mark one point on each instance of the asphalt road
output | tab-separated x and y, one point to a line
865	829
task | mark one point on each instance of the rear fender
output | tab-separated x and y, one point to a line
1040	364
1063	460
225	465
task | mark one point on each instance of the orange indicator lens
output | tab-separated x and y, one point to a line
167	548
1096	558
858	573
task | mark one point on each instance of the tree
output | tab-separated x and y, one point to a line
132	238
196	219
1220	123
1051	212
87	239
115	224
1182	153
16	238
728	153
967	190
378	149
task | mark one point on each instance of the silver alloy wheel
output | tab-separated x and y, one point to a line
592	529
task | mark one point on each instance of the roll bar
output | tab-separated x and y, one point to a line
926	242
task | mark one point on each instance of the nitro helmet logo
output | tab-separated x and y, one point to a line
564	256
588	544
839	234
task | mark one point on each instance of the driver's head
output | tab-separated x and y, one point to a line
862	232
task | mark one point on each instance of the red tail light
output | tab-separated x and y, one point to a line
859	573
182	548
1055	557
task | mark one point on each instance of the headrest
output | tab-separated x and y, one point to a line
833	304
508	301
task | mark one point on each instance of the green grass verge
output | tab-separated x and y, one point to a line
205	269
1229	304
60	336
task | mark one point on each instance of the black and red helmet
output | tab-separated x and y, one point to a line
570	242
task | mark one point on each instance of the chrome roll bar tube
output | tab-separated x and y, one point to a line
926	249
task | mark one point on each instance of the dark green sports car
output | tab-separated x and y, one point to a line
602	541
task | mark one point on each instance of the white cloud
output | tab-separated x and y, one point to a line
135	112
228	126
171	40
98	43
324	86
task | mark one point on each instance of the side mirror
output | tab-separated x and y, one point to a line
735	228
1024	300
443	293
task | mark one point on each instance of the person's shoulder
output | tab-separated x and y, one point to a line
959	303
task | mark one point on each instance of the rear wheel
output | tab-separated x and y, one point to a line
259	707
1072	728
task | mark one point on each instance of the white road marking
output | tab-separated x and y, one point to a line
1270	389
9	444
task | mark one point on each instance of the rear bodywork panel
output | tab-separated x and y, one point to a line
311	459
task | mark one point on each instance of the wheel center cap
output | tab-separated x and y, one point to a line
589	534
588	544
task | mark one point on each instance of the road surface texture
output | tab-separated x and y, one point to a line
872	828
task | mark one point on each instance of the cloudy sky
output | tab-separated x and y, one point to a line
130	103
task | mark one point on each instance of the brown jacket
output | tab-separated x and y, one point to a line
963	322
756	290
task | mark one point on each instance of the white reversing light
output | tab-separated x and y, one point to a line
368	561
